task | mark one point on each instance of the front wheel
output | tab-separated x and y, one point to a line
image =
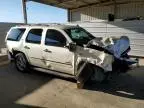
21	62
98	74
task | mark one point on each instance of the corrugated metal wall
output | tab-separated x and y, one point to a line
130	10
4	27
91	13
94	12
127	8
133	29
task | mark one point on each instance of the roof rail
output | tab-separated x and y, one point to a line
39	24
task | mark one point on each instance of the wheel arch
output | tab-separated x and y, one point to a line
82	63
15	52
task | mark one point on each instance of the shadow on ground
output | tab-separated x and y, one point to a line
129	85
14	85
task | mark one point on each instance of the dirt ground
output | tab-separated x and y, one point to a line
41	90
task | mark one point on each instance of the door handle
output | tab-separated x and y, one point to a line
26	47
46	50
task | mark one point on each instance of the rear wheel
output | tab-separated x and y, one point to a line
21	62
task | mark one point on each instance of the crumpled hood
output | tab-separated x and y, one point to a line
102	42
113	45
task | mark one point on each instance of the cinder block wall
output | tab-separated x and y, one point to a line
4	27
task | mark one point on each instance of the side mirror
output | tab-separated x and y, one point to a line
72	46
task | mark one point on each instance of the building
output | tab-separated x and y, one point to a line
87	10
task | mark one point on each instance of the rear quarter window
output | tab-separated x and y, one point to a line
16	34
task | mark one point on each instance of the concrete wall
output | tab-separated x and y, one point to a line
133	29
4	27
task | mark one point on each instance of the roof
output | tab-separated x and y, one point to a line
74	4
59	26
70	4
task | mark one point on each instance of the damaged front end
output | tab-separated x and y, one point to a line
108	55
118	48
97	58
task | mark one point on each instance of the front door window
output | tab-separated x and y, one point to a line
55	38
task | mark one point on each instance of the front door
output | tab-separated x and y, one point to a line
57	56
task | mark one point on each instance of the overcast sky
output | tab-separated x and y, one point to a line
11	11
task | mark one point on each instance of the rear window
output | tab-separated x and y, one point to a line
16	34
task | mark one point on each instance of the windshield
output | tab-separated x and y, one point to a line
79	35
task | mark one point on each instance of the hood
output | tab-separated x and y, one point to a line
112	45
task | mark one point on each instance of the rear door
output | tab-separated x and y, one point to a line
33	48
57	56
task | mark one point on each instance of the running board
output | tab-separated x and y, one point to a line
54	73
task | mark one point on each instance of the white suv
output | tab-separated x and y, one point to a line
60	50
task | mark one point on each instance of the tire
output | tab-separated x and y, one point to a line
98	75
21	63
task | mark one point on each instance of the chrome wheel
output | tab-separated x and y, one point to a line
21	62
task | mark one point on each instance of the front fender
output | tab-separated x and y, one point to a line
95	57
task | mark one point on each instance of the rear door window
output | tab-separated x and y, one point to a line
34	36
16	34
